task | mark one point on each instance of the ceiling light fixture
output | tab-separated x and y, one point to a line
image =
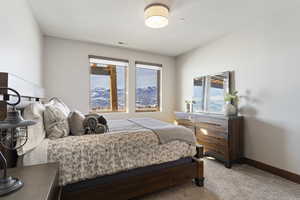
156	15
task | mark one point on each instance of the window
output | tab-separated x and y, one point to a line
147	92
107	84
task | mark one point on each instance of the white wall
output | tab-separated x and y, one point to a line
20	41
266	61
67	75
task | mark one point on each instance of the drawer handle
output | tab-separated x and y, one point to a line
212	142
214	137
219	152
209	142
210	135
213	124
215	150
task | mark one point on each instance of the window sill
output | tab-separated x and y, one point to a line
106	112
138	111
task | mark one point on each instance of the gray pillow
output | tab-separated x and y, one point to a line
76	119
56	122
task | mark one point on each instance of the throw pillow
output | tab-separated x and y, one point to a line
56	122
76	119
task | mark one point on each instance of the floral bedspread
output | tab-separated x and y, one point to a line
127	146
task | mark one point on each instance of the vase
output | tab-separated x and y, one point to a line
229	109
188	107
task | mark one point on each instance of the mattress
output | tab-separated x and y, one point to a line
126	146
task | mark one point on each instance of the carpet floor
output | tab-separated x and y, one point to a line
242	182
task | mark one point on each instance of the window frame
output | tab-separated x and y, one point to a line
113	105
159	85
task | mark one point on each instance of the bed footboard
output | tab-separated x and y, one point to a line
137	182
199	180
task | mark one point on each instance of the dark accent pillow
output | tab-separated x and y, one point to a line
102	120
95	124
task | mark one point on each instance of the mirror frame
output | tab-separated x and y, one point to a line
203	93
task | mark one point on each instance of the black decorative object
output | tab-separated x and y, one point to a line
95	124
13	135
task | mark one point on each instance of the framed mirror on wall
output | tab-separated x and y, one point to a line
199	92
209	92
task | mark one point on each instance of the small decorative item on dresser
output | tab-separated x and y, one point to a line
189	105
230	108
13	135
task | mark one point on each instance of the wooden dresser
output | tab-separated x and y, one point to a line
221	136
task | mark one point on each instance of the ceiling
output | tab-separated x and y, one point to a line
192	23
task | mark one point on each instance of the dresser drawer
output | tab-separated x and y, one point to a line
219	145
215	151
211	133
207	139
215	125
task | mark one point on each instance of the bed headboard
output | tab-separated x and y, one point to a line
29	92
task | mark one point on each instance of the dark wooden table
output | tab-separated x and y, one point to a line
40	183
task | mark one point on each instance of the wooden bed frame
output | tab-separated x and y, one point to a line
137	182
123	185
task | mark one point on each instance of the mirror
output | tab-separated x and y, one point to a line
199	88
209	92
218	86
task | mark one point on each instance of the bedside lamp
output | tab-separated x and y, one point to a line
13	135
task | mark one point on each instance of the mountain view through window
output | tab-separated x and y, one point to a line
107	85
147	87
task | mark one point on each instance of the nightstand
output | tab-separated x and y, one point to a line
40	182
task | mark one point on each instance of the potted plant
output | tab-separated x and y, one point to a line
231	99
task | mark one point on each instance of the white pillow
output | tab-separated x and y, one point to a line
56	119
56	123
60	104
36	133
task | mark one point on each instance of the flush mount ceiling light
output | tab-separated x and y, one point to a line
156	15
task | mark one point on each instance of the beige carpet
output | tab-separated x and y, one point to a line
242	182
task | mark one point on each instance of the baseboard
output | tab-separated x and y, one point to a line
273	170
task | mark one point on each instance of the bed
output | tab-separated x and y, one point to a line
129	161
